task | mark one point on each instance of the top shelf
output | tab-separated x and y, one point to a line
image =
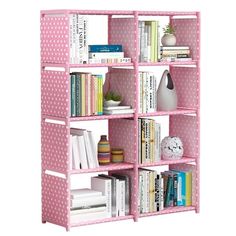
115	12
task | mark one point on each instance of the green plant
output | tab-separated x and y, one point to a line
110	95
169	29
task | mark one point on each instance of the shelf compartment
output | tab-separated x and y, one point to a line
193	62
109	167
102	117
167	13
179	111
168	162
168	211
102	220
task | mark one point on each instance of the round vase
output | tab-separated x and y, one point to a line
168	40
104	150
117	155
166	93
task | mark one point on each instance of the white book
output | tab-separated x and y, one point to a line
88	201
88	216
79	40
116	108
122	111
104	185
84	192
93	148
157	140
101	55
75	150
82	152
89	155
85	41
161	193
87	210
121	197
140	92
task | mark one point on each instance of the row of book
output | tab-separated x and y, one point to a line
109	196
107	54
175	53
149	139
147	92
166	189
78	36
83	149
149	41
86	94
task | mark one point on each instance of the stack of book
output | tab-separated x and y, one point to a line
87	204
86	94
149	137
107	54
78	37
147	92
175	53
83	149
116	188
166	189
149	41
113	110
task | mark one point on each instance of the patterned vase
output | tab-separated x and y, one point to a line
104	151
117	155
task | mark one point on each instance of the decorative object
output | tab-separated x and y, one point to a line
104	151
168	39
112	99
117	155
171	148
166	93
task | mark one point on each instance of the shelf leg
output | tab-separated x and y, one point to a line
44	221
67	229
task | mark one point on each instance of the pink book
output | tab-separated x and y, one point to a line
86	94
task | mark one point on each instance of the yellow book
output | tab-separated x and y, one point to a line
153	40
188	176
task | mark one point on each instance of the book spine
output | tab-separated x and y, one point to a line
105	48
80	50
147	174
161	193
157	192
139	142
188	188
140	93
86	94
77	94
101	55
158	42
73	107
122	198
175	186
85	41
144	75
142	48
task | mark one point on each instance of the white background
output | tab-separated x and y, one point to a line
20	200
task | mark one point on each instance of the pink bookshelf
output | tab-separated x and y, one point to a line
123	129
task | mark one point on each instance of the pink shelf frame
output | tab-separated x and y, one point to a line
55	97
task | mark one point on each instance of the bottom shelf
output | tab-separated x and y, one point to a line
102	220
168	210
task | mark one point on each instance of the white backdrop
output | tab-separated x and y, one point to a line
20	200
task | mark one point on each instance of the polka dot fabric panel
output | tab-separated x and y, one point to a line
55	93
186	34
121	134
122	32
54	200
185	80
188	167
186	128
123	82
54	39
55	143
133	189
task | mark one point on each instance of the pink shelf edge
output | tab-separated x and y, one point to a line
112	166
193	62
119	218
169	210
168	162
102	117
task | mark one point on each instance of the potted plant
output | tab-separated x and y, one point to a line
168	38
112	99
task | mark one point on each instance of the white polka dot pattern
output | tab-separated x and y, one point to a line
185	80
123	82
186	34
186	128
121	134
55	147
122	32
54	96
188	167
54	200
54	39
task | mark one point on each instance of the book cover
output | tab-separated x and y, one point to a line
84	192
105	48
88	201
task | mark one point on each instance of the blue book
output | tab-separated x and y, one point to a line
105	48
181	199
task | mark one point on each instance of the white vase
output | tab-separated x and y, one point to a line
166	93
168	40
